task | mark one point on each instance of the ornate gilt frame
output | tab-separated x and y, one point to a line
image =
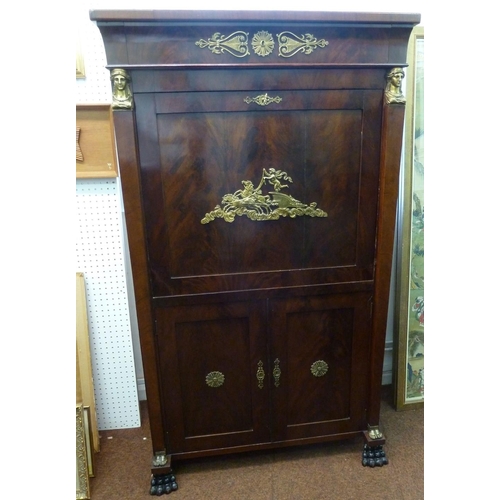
403	337
80	66
82	473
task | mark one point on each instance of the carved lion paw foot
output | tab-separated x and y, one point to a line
163	484
374	456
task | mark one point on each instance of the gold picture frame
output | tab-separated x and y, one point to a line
408	373
95	142
82	473
87	424
80	66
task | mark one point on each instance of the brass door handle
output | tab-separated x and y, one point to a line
319	368
260	374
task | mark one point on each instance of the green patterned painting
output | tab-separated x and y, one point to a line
408	373
415	352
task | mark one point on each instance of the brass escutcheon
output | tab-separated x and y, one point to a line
276	372
260	374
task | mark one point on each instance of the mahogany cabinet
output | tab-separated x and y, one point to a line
259	155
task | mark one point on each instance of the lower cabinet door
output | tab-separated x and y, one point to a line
211	361
321	352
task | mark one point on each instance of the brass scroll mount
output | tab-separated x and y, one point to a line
291	44
251	201
235	44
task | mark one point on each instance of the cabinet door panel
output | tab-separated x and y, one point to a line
209	357
322	344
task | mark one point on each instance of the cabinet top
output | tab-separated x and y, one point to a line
140	39
124	16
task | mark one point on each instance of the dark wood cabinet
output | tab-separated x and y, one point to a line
259	155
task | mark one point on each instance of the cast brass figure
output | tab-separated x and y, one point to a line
257	206
122	95
393	93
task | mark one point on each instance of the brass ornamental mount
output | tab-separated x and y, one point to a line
236	44
263	100
122	95
263	43
260	374
160	459
393	93
319	368
257	206
374	432
277	372
214	379
291	44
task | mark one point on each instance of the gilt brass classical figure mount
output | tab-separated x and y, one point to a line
393	93
122	95
256	205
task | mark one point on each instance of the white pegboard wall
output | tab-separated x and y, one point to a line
96	86
99	255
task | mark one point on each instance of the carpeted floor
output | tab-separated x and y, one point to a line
331	471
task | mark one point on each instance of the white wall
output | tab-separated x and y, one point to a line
102	255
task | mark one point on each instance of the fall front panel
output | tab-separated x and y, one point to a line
239	198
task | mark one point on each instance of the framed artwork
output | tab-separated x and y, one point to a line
82	473
87	427
95	142
84	377
408	370
80	66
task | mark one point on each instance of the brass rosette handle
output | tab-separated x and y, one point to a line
214	379
319	368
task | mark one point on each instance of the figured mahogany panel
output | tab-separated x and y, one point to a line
174	42
322	345
191	159
209	356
